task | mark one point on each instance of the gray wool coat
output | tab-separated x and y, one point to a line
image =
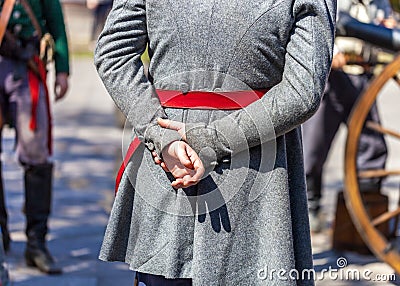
247	218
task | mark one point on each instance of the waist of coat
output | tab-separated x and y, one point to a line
226	100
222	100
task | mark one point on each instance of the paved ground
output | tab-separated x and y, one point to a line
87	146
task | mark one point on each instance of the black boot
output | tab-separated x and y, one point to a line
38	188
3	216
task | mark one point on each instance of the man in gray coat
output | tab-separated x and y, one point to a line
228	206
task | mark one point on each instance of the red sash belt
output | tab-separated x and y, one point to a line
34	79
231	100
209	100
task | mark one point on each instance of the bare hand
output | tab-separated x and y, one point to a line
61	85
173	125
183	163
91	4
390	23
158	161
338	61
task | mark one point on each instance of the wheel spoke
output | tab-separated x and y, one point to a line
378	173
385	217
397	79
379	128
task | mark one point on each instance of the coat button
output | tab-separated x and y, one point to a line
17	28
16	14
184	88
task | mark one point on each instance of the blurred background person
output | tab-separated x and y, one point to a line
24	100
345	84
100	8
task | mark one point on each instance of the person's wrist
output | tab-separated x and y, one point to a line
62	74
158	138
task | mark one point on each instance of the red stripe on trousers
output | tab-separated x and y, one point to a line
34	81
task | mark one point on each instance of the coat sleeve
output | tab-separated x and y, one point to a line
289	103
118	61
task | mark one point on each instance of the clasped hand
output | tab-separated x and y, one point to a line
179	158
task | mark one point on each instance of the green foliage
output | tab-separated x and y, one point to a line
145	57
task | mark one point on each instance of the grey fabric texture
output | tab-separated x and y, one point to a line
223	236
